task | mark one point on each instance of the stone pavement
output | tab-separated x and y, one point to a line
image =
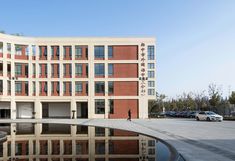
196	141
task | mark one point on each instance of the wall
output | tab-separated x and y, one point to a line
24	110
121	107
59	109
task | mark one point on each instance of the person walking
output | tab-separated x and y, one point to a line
129	115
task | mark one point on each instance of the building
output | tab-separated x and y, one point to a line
76	77
61	142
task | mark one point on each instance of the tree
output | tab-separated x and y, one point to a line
215	95
232	98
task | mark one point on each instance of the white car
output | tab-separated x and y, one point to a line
208	116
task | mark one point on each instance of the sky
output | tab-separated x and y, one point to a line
195	38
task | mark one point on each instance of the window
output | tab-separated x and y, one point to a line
151	52
110	87
43	51
78	87
18	50
67	51
78	52
151	142
99	131
111	107
18	87
55	52
78	69
151	84
110	69
151	74
1	86
34	69
8	87
33	50
18	69
150	65
99	106
99	52
99	87
151	92
110	51
100	147
99	69
34	87
151	151
9	48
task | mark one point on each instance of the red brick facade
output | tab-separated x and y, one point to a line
122	106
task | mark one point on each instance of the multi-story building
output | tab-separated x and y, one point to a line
76	77
57	142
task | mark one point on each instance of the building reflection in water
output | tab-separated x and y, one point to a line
56	142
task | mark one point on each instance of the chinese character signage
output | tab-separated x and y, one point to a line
142	70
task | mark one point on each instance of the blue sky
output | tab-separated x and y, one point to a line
195	38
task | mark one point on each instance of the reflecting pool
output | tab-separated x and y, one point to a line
60	142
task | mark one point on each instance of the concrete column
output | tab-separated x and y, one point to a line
13	109
38	109
73	107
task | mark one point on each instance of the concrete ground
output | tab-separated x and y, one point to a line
196	141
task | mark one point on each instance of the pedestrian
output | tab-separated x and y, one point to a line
129	115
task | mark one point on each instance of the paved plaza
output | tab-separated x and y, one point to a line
196	141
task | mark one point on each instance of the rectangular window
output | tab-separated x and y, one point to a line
99	87
67	52
78	87
99	52
99	131
150	65
99	106
9	48
64	87
18	87
151	143
1	86
151	52
151	92
100	147
55	52
110	51
64	69
42	51
99	69
18	49
151	84
34	69
111	107
1	47
34	87
8	87
33	50
110	69
18	69
151	74
78	52
110	87
78	69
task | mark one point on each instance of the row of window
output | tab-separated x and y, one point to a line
55	87
21	69
80	50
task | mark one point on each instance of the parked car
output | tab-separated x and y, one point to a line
192	114
208	116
